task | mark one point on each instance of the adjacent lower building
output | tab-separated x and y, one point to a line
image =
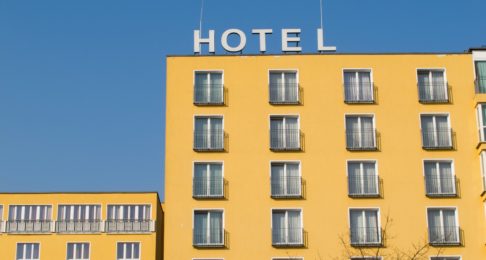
81	226
326	156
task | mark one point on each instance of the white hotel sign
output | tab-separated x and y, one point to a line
290	40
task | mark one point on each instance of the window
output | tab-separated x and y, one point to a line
365	227
78	251
128	251
129	218
360	132
481	76
362	179
208	228
29	219
439	179
284	133
208	88
2	225
28	251
432	86
445	258
285	179
483	168
481	110
436	133
208	180
208	133
443	228
366	258
287	227
358	86
79	218
284	88
288	258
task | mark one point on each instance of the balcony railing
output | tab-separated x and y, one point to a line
359	92
284	93
285	139
480	85
440	139
361	139
129	226
433	92
444	235
78	226
363	186
440	186
209	94
207	189
209	140
213	238
288	237
286	187
366	236
29	226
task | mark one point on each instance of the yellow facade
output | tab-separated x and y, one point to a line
53	238
325	205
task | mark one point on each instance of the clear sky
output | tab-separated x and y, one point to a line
82	83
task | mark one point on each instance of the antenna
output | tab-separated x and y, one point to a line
201	17
321	15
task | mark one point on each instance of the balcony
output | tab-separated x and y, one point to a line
361	140
440	139
28	226
287	187
434	93
209	140
285	140
359	93
78	226
284	93
129	226
444	236
203	188
209	239
440	186
366	237
288	237
209	95
364	186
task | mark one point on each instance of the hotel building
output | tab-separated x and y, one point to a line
81	226
326	156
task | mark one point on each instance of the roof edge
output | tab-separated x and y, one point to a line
323	54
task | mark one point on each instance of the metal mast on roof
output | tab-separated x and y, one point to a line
201	18
321	15
324	48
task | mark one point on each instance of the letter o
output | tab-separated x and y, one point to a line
224	40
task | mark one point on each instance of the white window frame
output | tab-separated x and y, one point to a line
285	162
123	205
24	250
360	115
209	72
434	115
366	257
356	71
124	250
362	175
71	209
282	72
456	213
437	161
456	256
209	163
208	137
482	161
288	258
481	124
284	117
430	70
208	233
301	211
47	217
74	252
363	209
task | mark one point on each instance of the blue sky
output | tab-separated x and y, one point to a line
82	83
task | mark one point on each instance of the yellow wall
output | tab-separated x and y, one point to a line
247	208
53	246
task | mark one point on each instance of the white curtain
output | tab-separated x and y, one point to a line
450	229
369	178
431	177
291	89
481	75
278	181
200	179
216	88
201	87
351	87
446	178
292	132
216	179
443	133
428	129
293	179
201	133
424	85
435	229
365	88
352	132
216	227
354	178
216	134
358	234
277	88
372	232
367	135
277	132
294	226
438	85
201	228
